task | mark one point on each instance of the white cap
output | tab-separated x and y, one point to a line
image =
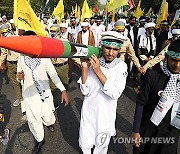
4	16
11	21
123	20
176	32
63	25
149	24
112	35
84	24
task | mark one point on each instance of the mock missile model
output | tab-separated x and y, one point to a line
44	47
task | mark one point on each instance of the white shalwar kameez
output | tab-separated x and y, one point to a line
98	112
37	111
97	30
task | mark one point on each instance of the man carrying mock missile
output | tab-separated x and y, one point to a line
102	83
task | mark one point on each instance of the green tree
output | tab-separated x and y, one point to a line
6	6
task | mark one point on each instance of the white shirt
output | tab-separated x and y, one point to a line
132	34
85	37
97	30
98	112
29	91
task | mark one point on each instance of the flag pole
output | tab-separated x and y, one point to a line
106	14
44	9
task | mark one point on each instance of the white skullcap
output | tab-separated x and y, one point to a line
123	20
142	20
149	24
11	21
84	24
63	25
176	31
4	16
112	35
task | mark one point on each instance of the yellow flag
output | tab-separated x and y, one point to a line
73	11
162	14
149	12
76	11
86	12
176	17
25	18
125	13
79	12
138	12
114	4
113	16
59	11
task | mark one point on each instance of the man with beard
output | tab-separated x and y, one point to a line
161	34
157	110
85	36
160	57
127	48
97	29
102	83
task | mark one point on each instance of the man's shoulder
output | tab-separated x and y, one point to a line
122	65
152	74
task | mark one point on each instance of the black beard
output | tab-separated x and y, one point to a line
13	29
84	31
108	61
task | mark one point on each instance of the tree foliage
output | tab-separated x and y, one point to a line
155	4
6	6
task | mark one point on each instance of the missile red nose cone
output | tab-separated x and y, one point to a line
33	45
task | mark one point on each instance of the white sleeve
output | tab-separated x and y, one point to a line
19	69
87	86
115	88
54	76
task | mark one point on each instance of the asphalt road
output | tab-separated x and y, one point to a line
65	138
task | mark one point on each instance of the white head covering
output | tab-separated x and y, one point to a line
176	31
4	27
149	24
84	24
65	25
124	21
4	16
11	21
